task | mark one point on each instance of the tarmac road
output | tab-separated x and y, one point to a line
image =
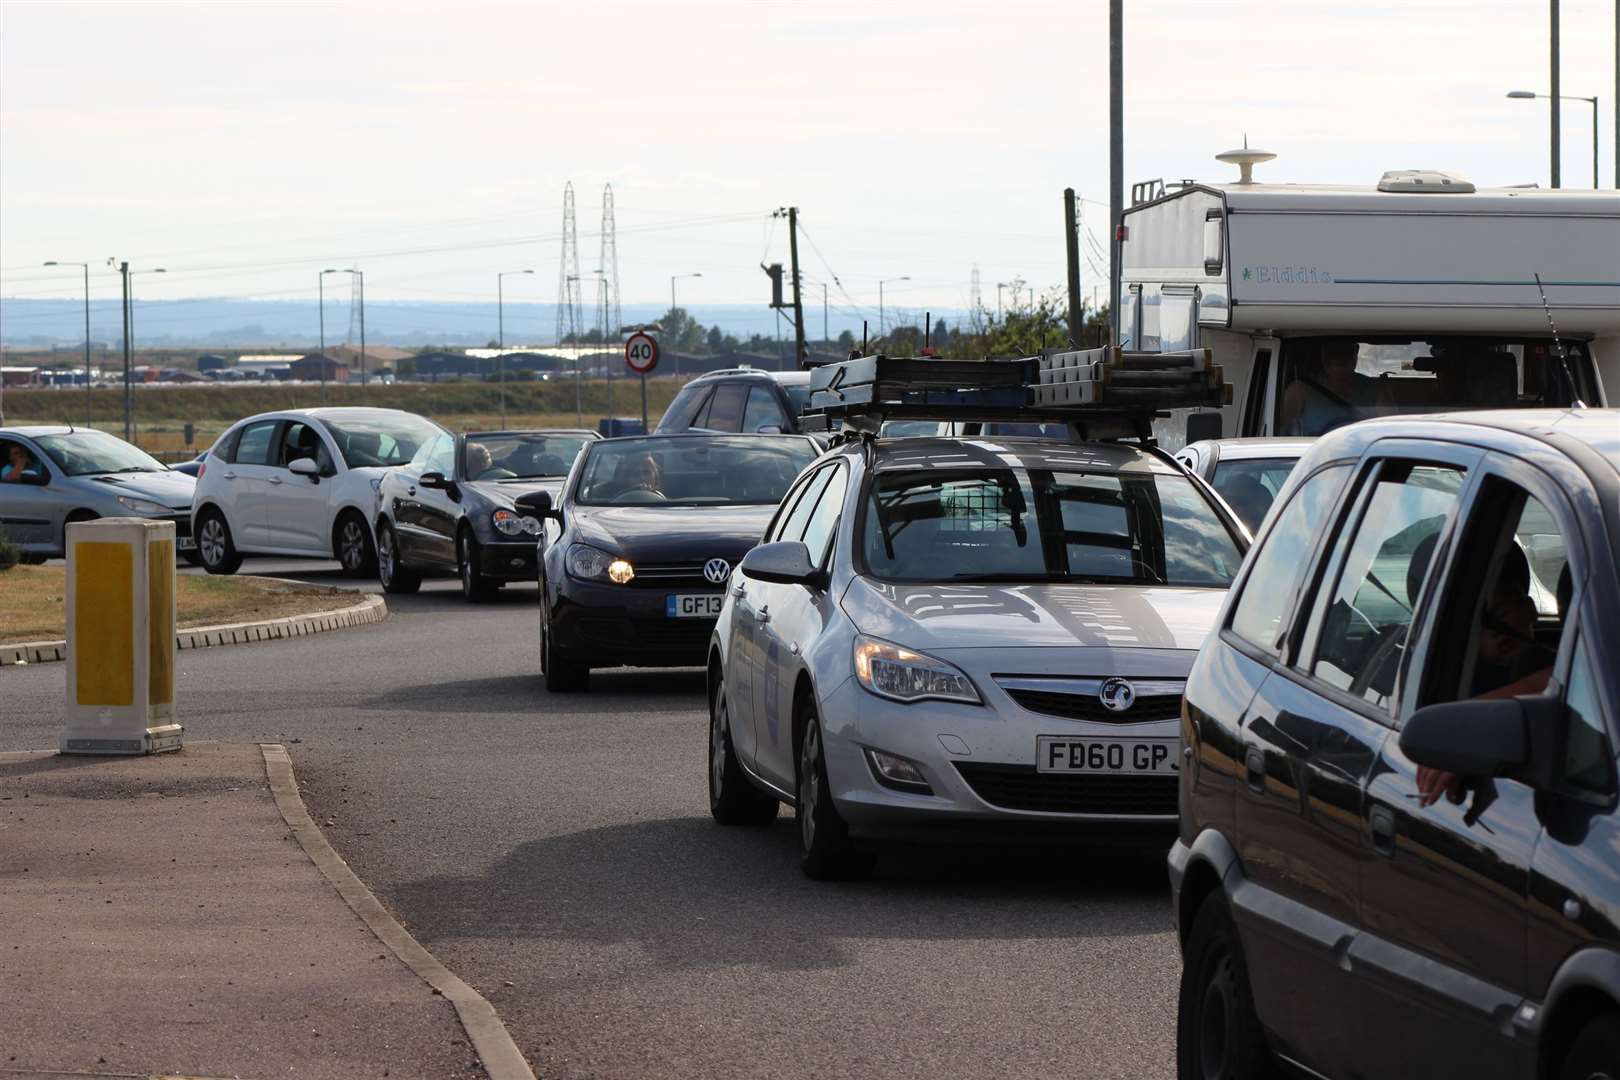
556	852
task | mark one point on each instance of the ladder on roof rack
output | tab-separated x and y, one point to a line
1099	393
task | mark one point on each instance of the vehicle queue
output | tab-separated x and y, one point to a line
1404	712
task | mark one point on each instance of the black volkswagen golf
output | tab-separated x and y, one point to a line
638	549
1400	844
451	510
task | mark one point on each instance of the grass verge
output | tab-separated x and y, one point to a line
33	601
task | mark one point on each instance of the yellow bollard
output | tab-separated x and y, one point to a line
120	635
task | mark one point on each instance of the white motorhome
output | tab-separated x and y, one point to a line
1426	283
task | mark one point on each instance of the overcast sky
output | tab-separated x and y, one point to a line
244	147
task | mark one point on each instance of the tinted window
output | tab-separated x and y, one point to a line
792	527
1273	581
798	397
763	411
818	533
1043	525
1250	485
692	470
1389	554
1587	759
726	410
299	440
683	411
255	445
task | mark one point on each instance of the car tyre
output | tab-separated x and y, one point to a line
1595	1053
564	671
826	851
1218	1033
353	546
214	543
733	798
475	587
395	576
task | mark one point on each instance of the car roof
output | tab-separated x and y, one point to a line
698	433
41	429
1022	452
786	378
1249	448
1595	430
533	431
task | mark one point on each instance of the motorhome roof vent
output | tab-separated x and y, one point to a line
1245	159
1425	181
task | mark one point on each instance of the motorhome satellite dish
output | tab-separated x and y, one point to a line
1245	159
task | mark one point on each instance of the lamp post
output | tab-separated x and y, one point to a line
672	280
1528	95
882	326
86	267
500	318
129	345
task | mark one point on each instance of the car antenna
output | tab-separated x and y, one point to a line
1558	343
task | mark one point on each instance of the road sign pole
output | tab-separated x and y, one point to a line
644	404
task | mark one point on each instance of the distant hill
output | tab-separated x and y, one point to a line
294	324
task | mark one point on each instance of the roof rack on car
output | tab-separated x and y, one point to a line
1099	393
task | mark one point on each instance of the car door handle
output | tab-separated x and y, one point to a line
275	479
410	491
1382	819
1254	768
230	476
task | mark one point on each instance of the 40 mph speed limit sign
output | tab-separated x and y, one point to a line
640	353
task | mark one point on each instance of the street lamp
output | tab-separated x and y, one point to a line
500	318
129	345
673	279
881	325
86	267
1530	95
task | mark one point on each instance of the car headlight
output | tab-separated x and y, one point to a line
892	672
592	564
142	506
516	524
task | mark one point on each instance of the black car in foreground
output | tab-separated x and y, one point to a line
641	542
1400	849
450	510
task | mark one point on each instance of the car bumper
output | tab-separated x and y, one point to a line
980	765
617	625
509	561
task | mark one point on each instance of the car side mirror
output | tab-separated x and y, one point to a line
1470	738
535	504
304	467
434	481
37	479
785	563
1203	425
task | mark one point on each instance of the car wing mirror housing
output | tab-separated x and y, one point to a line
1477	738
536	504
304	467
784	563
434	481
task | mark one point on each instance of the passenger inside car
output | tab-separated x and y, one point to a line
18	465
1326	393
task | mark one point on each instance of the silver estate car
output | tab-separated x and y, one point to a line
941	637
50	476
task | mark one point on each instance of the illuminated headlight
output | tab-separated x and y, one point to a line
892	672
141	506
515	524
592	564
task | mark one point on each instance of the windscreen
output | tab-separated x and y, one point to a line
381	438
1042	525
521	455
692	471
1332	381
1250	485
798	397
92	453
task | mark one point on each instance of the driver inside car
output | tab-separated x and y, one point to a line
19	462
1331	396
640	473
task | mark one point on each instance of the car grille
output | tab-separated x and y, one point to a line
1090	708
1021	787
670	576
662	634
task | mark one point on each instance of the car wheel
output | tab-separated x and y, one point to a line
395	576
1218	1034
354	549
564	671
475	587
1595	1053
214	544
733	799
826	852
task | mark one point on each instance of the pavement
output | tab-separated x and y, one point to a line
161	919
556	852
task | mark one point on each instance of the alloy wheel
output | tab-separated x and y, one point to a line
211	541
718	724
1214	1020
352	546
385	554
809	785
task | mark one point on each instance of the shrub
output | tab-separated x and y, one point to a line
10	553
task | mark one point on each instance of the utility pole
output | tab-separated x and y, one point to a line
800	352
1071	240
825	337
361	277
320	302
129	394
1556	102
1116	153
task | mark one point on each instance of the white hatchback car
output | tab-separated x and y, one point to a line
301	482
946	636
